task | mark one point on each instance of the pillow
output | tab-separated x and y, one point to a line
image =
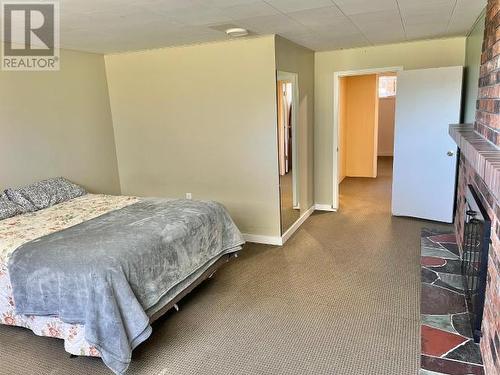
44	194
8	208
16	196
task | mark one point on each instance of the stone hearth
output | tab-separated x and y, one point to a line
447	344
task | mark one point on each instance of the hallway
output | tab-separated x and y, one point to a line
342	297
374	193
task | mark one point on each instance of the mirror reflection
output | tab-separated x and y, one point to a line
286	95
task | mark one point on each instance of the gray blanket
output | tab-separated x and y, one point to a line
107	272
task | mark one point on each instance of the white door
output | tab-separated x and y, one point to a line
425	160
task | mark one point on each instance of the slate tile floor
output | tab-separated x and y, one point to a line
447	345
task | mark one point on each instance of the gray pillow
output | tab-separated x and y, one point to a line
45	193
17	197
8	208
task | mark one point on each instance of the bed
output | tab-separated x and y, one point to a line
30	234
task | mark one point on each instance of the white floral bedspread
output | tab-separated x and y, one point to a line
21	229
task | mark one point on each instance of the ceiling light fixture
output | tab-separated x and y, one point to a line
236	32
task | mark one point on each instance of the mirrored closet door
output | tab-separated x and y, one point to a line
287	99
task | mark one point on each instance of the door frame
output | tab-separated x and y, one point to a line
336	104
294	79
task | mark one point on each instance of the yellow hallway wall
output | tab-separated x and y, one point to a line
361	119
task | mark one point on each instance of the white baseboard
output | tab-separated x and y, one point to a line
268	240
324	207
297	224
276	240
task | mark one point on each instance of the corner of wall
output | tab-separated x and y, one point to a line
120	189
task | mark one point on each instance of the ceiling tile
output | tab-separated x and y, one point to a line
121	25
196	15
386	38
225	3
422	5
278	23
473	6
328	43
288	6
380	25
351	7
317	16
425	31
431	13
465	16
161	6
248	10
378	18
338	28
441	17
457	29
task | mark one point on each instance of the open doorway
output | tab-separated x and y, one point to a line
366	120
387	88
287	105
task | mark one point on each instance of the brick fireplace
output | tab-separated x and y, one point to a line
480	167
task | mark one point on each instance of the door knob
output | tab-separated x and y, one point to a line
450	153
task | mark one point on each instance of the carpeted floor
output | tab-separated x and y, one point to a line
341	297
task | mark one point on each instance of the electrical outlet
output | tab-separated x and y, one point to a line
189	196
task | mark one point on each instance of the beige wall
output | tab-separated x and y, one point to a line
386	119
293	58
201	119
361	119
472	63
58	124
414	55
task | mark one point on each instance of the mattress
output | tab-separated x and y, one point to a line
22	229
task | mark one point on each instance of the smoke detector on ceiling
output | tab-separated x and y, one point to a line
236	32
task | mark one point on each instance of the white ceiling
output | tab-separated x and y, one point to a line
123	25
